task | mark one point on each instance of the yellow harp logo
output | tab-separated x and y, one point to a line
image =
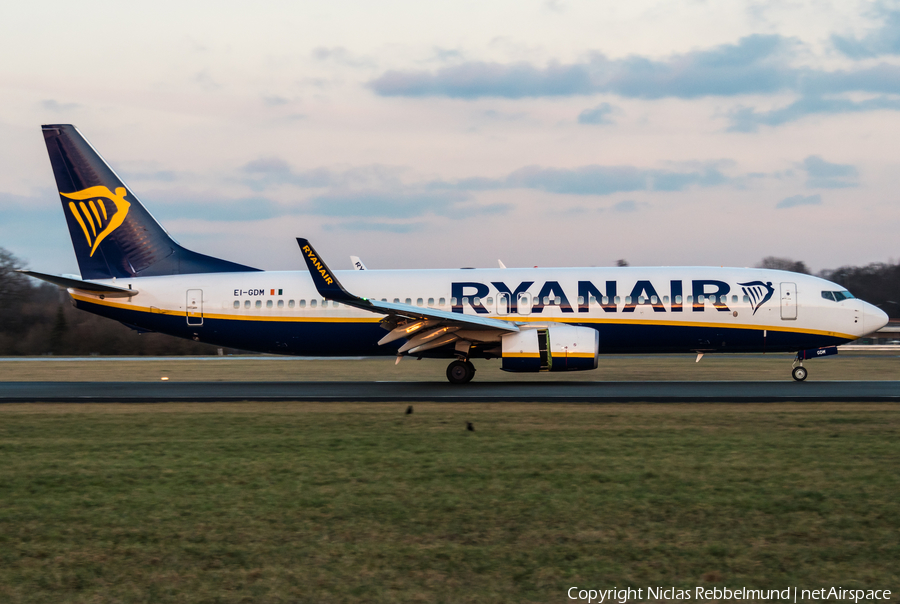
98	211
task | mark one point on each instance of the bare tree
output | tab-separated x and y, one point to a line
13	285
784	264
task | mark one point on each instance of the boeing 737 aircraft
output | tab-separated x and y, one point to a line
540	319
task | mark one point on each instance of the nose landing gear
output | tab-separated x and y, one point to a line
799	372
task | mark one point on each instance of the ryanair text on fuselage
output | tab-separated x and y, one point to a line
643	293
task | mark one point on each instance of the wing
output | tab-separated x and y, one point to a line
425	328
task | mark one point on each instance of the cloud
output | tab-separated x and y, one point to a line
605	180
626	206
339	54
755	64
171	205
884	40
447	54
381	190
57	107
746	119
267	172
273	100
368	225
799	200
480	79
205	80
597	115
825	175
393	204
152	176
878	79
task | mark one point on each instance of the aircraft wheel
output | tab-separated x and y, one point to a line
460	372
799	373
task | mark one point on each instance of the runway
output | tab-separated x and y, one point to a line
475	392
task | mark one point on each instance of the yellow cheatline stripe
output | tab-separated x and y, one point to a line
521	355
102	207
376	318
87	215
577	355
77	216
94	210
206	315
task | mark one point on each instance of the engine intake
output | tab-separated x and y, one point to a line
555	348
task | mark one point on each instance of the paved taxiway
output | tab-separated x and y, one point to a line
563	392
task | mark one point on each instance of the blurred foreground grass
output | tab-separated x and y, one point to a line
281	502
751	367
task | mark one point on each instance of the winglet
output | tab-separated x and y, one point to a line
326	283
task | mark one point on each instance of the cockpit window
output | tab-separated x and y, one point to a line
837	296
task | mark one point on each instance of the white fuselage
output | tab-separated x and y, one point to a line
658	309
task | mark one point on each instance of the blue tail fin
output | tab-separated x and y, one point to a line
113	234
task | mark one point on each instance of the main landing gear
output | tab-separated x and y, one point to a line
460	372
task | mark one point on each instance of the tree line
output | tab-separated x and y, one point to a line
38	318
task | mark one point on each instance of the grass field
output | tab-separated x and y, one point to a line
361	503
845	366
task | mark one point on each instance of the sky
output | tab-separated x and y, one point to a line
448	134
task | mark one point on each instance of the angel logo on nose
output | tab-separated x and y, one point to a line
758	292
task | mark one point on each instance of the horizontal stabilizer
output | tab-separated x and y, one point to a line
85	286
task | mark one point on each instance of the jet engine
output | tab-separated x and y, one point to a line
554	348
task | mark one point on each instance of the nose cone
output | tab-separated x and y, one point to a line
873	317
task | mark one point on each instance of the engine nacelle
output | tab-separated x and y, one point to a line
555	348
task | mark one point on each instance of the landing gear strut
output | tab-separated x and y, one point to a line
799	372
460	372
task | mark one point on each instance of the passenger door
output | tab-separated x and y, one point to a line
788	301
194	307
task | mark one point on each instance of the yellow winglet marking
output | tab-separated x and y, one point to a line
96	195
318	265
